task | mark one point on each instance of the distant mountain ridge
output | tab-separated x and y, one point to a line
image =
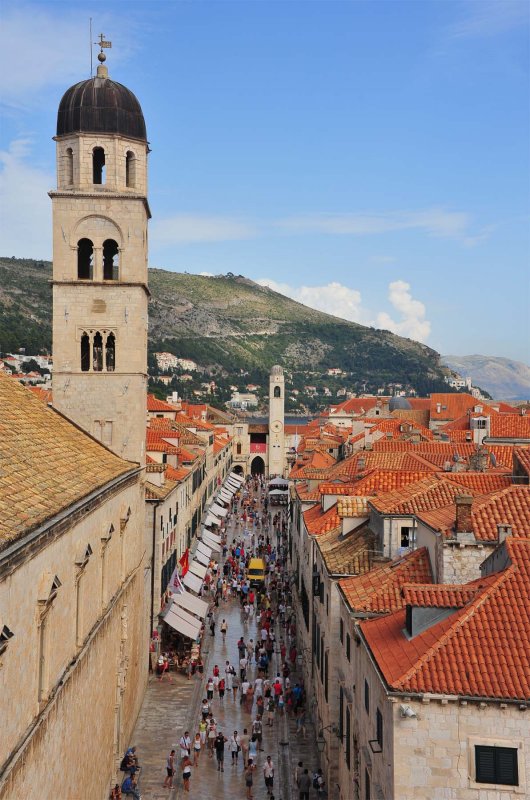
232	322
503	378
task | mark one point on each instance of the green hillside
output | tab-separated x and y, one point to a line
228	322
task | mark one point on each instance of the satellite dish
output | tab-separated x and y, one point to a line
456	457
493	460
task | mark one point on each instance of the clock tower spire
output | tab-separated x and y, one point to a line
276	448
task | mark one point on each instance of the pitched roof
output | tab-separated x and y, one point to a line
318	521
349	555
482	649
510	426
154	404
379	591
47	463
509	506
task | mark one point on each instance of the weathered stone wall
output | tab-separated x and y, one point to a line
95	654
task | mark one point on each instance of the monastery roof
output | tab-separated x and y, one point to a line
482	649
379	591
47	463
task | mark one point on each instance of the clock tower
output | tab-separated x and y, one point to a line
276	422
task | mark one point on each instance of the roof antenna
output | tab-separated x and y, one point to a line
90	45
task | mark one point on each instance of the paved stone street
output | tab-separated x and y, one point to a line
171	708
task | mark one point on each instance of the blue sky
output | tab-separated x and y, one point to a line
368	158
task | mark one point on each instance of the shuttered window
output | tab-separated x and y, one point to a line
496	765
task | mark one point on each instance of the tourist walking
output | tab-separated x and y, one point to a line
268	774
220	741
196	749
186	773
170	769
249	778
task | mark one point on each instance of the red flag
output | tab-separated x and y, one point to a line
184	562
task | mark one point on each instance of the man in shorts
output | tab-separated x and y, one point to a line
268	774
219	745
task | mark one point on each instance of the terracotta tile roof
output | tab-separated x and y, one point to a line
480	650
177	473
153	492
510	426
318	521
509	506
305	495
46	462
437	491
379	591
522	456
480	482
352	507
358	405
418	416
44	395
186	455
452	405
441	595
154	404
351	555
392	445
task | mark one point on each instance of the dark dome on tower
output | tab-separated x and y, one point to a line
399	403
99	105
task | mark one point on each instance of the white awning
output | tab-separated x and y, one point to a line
201	558
279	491
189	602
225	495
219	510
213	536
211	519
236	477
183	622
279	482
192	582
198	569
210	542
232	487
204	550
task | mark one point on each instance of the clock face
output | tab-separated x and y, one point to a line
276	426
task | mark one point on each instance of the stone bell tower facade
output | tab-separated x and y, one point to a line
100	294
277	462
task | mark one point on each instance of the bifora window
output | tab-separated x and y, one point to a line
98	351
85	260
496	765
111	258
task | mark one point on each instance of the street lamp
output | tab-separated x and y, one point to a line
321	742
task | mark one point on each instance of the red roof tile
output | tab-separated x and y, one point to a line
154	404
379	591
480	650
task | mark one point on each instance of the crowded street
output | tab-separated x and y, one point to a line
244	719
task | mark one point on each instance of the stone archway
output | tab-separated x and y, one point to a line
258	466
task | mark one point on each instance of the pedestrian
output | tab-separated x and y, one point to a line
203	729
268	774
270	712
318	782
185	745
221	689
297	772
253	749
249	778
209	689
212	735
300	723
235	686
205	708
244	741
116	793
223	629
129	787
220	751
257	730
304	785
186	773
170	769
196	749
235	747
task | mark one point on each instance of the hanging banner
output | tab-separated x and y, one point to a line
184	562
175	586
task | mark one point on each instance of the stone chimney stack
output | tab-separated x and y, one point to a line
503	531
464	503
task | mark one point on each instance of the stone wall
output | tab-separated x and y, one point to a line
64	732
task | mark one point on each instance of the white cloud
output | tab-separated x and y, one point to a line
192	228
25	207
342	301
412	323
434	221
490	18
49	47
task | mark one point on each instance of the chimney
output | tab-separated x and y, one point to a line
503	530
464	503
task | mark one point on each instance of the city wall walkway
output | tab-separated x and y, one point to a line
171	708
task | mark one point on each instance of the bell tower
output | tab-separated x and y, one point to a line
100	294
276	422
